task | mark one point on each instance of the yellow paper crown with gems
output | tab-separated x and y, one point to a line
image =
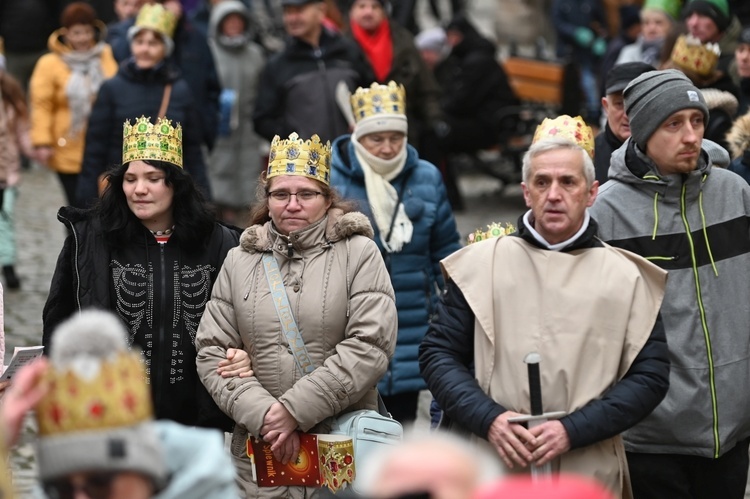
689	54
379	100
94	381
116	396
294	156
566	127
493	230
157	142
157	18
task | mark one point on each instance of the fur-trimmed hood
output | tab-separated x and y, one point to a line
739	136
339	225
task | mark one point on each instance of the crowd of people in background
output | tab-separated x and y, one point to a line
206	147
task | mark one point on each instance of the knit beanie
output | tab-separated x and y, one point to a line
745	36
654	96
669	7
77	13
97	415
717	10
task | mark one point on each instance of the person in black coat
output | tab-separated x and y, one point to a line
150	251
144	84
193	57
617	129
297	90
475	91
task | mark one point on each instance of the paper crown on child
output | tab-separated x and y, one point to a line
294	156
380	108
493	230
690	55
155	17
566	127
96	415
157	142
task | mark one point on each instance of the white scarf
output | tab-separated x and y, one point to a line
383	197
85	79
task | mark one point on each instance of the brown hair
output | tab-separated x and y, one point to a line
78	13
260	214
12	93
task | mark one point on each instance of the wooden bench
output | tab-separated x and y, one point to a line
536	81
545	89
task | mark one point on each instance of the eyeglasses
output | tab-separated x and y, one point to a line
302	196
94	485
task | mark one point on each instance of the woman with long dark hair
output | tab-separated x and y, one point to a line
150	250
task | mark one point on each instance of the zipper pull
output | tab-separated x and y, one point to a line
289	249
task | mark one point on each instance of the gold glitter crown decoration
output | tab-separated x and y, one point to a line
689	54
294	156
146	141
115	396
493	230
566	127
156	17
379	100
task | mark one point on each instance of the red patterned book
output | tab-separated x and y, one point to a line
323	460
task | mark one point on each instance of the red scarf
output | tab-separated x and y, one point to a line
378	48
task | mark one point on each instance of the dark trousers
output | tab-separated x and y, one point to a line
675	476
69	182
402	406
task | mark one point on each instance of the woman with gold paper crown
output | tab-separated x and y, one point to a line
406	201
308	252
145	85
150	250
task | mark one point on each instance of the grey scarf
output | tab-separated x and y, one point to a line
83	85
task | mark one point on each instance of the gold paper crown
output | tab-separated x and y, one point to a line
689	54
159	142
157	18
294	156
116	396
566	127
379	100
493	230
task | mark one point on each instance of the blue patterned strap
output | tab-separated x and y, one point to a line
286	317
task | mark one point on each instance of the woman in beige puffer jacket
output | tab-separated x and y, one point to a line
343	302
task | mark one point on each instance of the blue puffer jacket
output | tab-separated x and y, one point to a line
415	271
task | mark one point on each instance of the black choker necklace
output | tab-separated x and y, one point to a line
165	232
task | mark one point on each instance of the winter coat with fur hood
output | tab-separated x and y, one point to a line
739	146
342	300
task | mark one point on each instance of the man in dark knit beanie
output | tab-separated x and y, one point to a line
670	199
653	97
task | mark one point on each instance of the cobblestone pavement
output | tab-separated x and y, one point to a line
40	237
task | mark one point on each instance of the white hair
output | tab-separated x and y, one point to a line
553	144
486	465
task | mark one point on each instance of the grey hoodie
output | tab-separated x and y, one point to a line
695	226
